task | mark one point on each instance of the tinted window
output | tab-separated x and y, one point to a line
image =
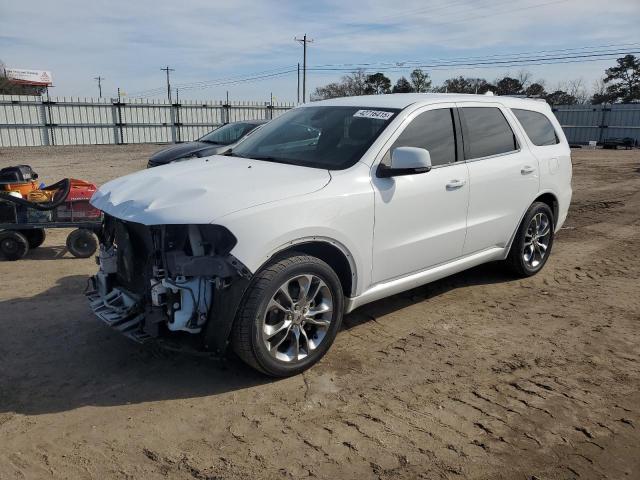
228	134
327	137
486	132
432	130
538	127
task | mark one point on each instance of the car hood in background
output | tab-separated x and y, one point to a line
174	152
202	190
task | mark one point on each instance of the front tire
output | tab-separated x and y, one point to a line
532	245
82	243
13	245
290	315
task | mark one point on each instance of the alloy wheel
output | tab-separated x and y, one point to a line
297	318
536	240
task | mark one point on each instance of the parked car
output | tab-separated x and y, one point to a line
217	141
613	143
328	207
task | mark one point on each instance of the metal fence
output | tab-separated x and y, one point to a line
585	123
35	121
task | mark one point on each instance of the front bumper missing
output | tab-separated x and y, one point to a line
120	311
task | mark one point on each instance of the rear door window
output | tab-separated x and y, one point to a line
432	130
486	132
537	126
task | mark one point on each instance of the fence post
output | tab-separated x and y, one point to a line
172	114
116	112
226	113
45	123
114	120
178	122
48	116
603	121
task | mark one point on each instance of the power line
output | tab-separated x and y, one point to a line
541	57
206	83
482	61
223	83
400	63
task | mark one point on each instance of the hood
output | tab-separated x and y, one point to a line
174	152
202	190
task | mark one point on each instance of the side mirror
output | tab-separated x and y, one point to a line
406	161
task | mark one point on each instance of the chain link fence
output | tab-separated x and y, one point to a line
35	121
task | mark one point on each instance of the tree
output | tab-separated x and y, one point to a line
576	89
524	77
479	86
402	86
378	84
465	85
600	94
560	97
535	90
349	85
420	81
624	79
508	86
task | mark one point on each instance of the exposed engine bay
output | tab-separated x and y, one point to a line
175	283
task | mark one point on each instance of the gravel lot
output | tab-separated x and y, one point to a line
475	376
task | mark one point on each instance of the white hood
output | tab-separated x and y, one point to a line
202	190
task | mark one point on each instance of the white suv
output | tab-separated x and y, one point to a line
330	206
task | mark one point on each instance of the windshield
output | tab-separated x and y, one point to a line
228	134
332	138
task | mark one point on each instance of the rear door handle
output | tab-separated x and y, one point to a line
527	169
455	184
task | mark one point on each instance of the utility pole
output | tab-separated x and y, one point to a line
304	41
99	79
167	69
298	82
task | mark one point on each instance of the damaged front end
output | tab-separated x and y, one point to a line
177	284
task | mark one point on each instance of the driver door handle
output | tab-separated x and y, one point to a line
527	169
455	184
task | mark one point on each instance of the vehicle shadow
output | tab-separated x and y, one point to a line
485	274
54	355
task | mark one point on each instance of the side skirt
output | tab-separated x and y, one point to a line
391	287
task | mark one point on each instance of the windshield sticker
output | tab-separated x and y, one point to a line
378	114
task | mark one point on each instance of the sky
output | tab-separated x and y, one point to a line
211	44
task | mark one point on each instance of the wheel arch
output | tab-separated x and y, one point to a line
552	201
336	255
547	197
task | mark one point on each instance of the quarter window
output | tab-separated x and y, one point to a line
432	130
486	132
538	127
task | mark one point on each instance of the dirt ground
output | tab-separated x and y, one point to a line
475	376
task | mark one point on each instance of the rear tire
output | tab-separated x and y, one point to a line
81	243
35	237
532	245
13	245
290	315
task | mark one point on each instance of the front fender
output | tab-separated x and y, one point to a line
342	214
